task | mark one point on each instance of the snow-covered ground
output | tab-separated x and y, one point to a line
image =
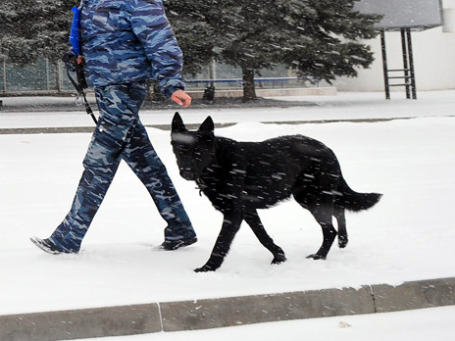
409	235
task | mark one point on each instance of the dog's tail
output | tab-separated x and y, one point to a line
353	201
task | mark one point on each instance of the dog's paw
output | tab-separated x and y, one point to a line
316	257
279	258
342	242
205	268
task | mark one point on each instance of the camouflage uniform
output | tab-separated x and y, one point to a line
123	44
129	41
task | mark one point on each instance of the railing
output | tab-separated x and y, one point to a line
237	83
45	77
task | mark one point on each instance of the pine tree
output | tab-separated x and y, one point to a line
15	33
233	34
318	38
327	44
52	27
194	34
34	28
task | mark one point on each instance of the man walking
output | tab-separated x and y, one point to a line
124	43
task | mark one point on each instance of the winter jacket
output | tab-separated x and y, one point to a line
127	41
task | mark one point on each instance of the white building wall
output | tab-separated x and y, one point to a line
434	58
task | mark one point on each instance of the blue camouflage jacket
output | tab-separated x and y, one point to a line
127	41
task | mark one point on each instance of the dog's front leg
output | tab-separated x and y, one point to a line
231	225
252	219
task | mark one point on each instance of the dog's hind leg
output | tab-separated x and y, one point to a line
321	207
341	224
231	225
324	218
253	220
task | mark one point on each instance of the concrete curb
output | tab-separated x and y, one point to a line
223	312
89	129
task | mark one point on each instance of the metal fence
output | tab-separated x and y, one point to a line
41	76
44	76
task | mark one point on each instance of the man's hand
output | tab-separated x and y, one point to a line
181	98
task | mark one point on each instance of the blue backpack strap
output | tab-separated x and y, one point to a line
74	39
75	31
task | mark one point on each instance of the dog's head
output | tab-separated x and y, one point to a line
194	150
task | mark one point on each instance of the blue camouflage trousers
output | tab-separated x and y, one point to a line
120	135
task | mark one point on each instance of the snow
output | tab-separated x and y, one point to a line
408	236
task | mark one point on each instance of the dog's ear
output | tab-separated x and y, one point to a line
207	127
177	124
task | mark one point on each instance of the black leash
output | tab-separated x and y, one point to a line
75	62
79	86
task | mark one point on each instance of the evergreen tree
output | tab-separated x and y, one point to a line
196	37
327	44
318	38
52	27
34	28
15	34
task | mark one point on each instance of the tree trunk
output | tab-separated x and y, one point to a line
249	91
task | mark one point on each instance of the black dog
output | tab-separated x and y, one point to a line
241	177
